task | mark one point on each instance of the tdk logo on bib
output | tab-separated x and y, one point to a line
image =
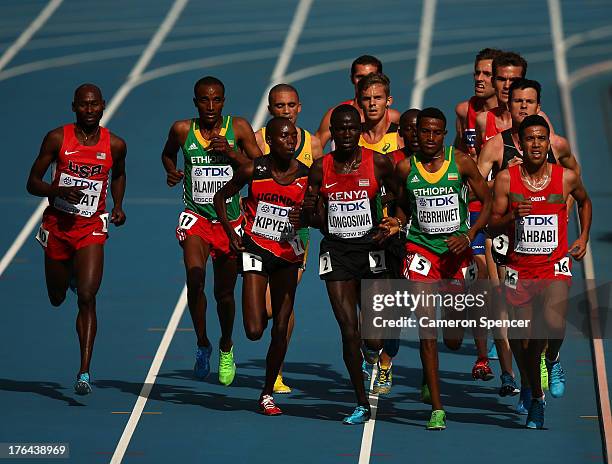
437	202
213	171
91	185
532	221
348	207
469	137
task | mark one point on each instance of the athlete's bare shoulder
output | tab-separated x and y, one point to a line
240	125
118	145
461	110
394	115
181	127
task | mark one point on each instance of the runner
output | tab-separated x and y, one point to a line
439	237
284	102
213	146
340	201
484	99
378	132
530	199
75	224
500	152
272	251
396	249
361	67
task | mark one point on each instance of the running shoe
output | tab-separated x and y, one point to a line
425	394
227	367
492	354
524	401
202	363
82	385
437	421
370	356
383	381
508	385
267	406
543	372
280	387
535	417
364	370
482	370
360	415
556	379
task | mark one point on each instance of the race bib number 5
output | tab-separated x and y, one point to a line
420	264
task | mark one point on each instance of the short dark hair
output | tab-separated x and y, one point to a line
509	59
282	88
87	86
372	79
366	59
408	114
208	80
344	109
523	84
487	54
431	113
533	120
275	121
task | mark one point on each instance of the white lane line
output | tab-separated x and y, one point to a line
138	409
556	25
422	64
368	429
284	57
295	30
113	105
28	32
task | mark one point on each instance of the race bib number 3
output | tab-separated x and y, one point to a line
325	264
438	214
420	264
536	234
92	189
272	222
377	261
208	180
563	267
349	219
500	244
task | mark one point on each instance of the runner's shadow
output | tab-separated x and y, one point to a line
48	389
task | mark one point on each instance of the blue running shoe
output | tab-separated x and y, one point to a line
82	386
364	371
508	385
535	417
202	364
556	379
492	354
360	415
524	401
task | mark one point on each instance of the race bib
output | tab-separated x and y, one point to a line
536	234
208	180
439	214
272	222
88	205
500	244
104	219
562	267
251	262
349	219
511	279
296	244
325	264
187	220
420	264
470	273
377	261
43	236
469	137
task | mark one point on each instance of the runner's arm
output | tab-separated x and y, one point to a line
323	133
501	214
50	147
585	211
118	180
317	148
460	123
176	137
383	170
489	155
246	140
313	202
261	143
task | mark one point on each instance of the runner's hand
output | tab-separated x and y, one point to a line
457	244
236	242
310	200
117	216
578	249
391	224
523	209
220	144
515	161
72	194
174	177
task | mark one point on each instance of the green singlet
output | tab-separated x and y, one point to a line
438	203
206	172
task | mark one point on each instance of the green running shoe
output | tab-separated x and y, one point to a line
543	372
382	381
437	421
227	367
425	394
